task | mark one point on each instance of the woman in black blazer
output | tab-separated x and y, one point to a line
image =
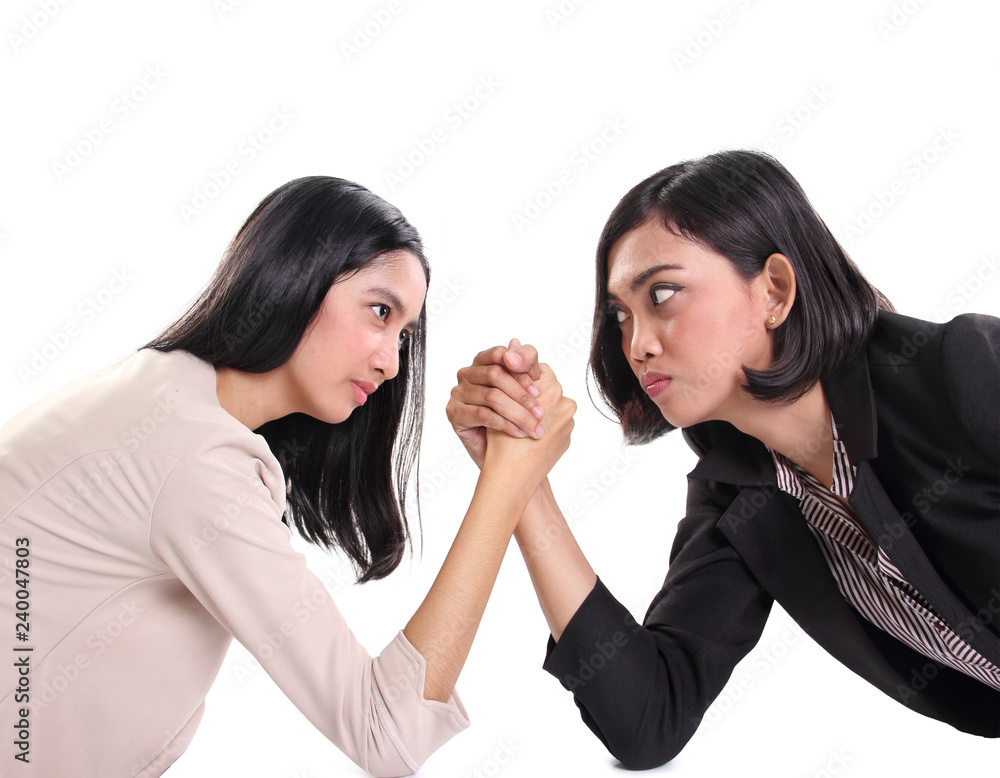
849	463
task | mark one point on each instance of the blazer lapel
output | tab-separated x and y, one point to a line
893	535
767	529
852	402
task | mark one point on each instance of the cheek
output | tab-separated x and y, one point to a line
723	333
710	352
689	336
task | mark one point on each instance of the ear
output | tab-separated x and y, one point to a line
779	277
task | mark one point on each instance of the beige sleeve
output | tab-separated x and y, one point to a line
218	528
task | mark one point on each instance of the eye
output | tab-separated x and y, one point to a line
617	314
663	292
381	310
404	337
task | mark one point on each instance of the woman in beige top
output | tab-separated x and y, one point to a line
142	508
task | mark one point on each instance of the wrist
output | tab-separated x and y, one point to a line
542	522
505	487
536	508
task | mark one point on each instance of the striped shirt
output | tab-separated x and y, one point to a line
864	573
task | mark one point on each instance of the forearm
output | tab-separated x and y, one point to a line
443	627
643	689
559	571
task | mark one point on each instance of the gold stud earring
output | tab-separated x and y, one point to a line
771	321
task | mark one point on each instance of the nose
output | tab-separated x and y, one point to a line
386	360
644	342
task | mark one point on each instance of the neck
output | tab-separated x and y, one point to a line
250	398
799	431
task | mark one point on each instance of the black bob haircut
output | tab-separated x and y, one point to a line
745	206
346	483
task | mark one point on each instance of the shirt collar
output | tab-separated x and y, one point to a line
796	482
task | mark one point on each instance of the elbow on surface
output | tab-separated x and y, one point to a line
388	764
646	756
645	761
396	770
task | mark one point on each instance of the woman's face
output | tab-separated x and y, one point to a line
688	323
353	343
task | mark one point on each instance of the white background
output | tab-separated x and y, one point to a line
851	97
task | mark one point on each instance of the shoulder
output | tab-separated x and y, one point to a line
187	422
970	369
225	481
942	376
151	404
220	488
973	335
903	340
180	411
899	340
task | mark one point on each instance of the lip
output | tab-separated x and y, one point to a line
361	390
654	383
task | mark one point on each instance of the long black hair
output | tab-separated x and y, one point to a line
346	483
745	206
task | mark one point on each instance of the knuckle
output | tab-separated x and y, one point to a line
493	396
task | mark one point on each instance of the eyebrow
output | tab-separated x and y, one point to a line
393	298
645	275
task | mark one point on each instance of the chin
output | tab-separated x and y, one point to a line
678	422
342	417
681	418
332	415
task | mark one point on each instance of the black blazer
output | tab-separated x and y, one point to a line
918	411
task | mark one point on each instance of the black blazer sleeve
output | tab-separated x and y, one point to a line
644	689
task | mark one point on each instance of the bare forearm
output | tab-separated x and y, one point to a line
443	627
559	571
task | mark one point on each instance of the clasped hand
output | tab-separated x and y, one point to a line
509	411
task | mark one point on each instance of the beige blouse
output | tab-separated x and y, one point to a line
141	524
